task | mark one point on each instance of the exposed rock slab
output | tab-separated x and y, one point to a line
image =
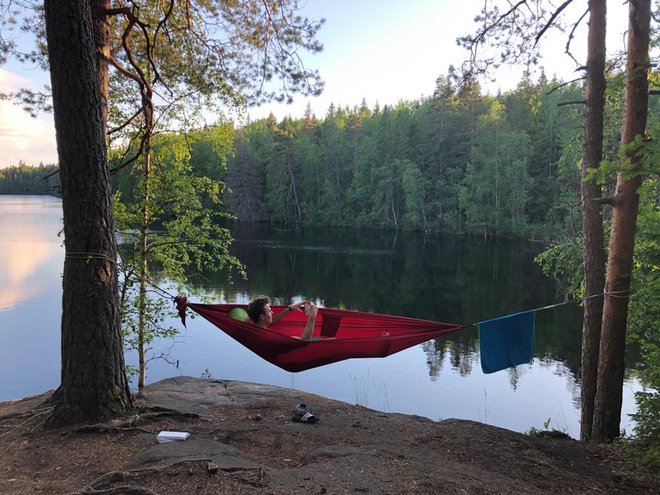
224	456
192	395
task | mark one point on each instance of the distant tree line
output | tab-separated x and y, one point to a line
459	162
25	179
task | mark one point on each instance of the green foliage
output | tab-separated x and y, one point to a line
546	432
184	232
458	162
388	194
535	432
639	147
644	311
415	195
156	312
647	430
563	263
496	186
177	63
644	321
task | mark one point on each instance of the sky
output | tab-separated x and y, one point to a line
382	51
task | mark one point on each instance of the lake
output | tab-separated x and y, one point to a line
443	279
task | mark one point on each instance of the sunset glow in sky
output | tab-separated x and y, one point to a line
383	51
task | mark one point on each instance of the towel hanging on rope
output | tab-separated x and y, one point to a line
507	341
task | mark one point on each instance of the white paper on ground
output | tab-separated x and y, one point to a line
172	436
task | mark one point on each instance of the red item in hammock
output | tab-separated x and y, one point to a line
338	335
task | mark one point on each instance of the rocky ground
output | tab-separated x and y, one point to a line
243	441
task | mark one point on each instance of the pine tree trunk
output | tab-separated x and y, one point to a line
101	40
93	382
611	365
592	227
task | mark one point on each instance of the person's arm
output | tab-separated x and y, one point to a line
309	327
292	307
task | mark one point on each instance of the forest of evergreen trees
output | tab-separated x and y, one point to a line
25	179
459	162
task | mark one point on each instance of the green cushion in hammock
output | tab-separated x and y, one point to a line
239	314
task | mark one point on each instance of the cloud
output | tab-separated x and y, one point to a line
21	136
25	257
11	82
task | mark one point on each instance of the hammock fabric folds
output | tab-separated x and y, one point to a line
338	335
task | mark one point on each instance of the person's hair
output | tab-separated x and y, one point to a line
256	308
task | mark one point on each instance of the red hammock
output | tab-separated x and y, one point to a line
343	335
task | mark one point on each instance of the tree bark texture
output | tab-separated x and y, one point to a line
93	382
607	409
102	44
592	221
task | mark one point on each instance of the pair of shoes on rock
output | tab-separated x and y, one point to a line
303	415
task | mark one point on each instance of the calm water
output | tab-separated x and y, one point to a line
448	280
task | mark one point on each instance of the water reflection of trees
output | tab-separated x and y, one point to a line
459	349
441	279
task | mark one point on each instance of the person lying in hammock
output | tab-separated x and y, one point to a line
261	315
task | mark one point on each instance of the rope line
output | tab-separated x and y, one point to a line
616	294
89	256
163	291
98	256
573	301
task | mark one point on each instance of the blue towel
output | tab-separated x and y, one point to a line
507	341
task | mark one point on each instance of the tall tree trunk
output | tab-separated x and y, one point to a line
101	40
93	382
607	409
294	191
592	227
396	222
338	187
148	113
144	267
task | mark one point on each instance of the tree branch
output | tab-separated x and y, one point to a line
486	29
559	86
169	243
137	155
551	20
571	102
570	37
123	69
120	11
128	121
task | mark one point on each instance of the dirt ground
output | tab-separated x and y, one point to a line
243	441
